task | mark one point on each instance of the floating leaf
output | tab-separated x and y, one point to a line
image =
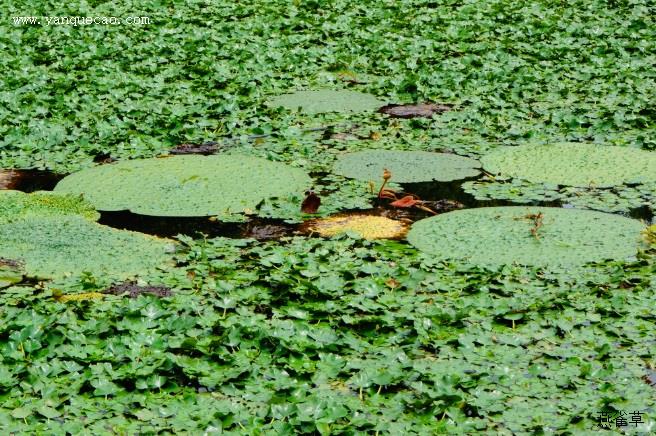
16	204
503	235
573	164
327	100
406	166
54	246
367	226
186	185
53	235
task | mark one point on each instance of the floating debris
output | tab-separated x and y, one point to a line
206	148
366	225
419	110
133	290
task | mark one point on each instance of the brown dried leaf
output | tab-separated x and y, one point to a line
311	203
423	110
407	201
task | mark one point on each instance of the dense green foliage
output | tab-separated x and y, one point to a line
546	236
334	336
617	199
406	166
311	335
518	70
224	186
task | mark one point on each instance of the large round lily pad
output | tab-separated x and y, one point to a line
327	100
573	164
54	246
222	185
52	235
406	166
530	236
15	204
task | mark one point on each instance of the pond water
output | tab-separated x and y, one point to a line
29	180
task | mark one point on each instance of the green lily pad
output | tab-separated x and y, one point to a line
55	246
496	236
15	204
327	100
573	164
406	166
224	185
54	235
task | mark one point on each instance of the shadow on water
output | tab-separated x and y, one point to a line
29	180
168	227
644	213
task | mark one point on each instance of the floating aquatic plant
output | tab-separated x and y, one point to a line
616	199
327	100
532	236
16	204
406	166
367	226
56	246
55	235
225	186
573	164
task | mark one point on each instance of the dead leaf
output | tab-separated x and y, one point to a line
311	203
392	283
375	136
423	110
407	201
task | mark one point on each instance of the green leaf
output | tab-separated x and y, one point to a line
182	186
573	164
406	166
533	236
21	412
104	386
48	412
52	246
327	100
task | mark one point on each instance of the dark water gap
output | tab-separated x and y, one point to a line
29	180
168	227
